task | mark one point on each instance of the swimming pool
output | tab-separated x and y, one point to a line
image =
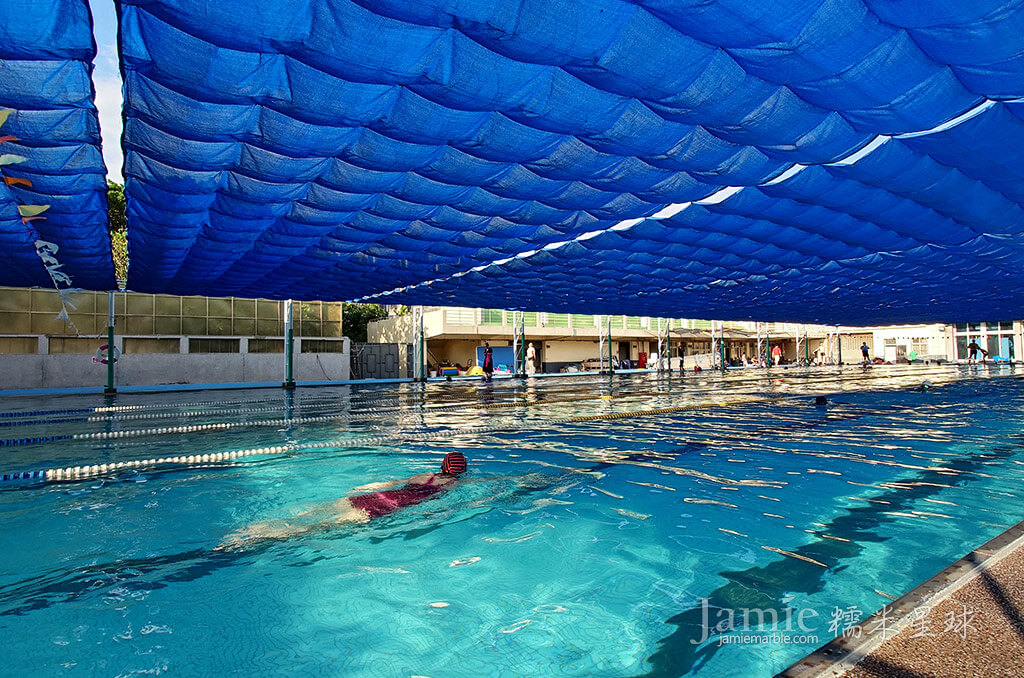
601	521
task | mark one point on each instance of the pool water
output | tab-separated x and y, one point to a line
598	525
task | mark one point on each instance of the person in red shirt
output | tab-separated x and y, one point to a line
488	365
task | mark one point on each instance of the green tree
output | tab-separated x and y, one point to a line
355	318
118	226
115	207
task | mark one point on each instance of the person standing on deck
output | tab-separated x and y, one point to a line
864	351
531	357
776	354
973	347
488	361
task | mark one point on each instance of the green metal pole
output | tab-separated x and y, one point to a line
289	381
668	348
767	347
807	349
721	337
611	368
522	345
110	345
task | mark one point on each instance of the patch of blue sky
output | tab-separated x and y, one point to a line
107	80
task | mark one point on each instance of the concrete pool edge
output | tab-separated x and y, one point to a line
842	654
233	386
785	370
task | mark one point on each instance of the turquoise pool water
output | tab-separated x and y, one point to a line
574	548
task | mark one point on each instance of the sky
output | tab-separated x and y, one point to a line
107	79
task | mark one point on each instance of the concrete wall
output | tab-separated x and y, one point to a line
569	351
393	330
69	371
851	346
904	334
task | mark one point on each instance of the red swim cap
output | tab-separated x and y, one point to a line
454	463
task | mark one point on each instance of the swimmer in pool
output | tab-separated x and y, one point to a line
361	508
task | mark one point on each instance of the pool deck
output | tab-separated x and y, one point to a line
968	620
785	370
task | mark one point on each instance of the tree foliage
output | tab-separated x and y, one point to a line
355	318
118	226
115	207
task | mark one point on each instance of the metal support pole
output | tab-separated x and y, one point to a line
759	358
661	350
767	347
419	372
799	342
289	345
839	345
522	344
611	369
714	345
110	345
668	347
515	343
423	349
415	344
721	326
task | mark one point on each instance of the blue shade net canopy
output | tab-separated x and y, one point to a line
53	205
841	161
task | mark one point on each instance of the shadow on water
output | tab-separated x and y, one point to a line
148	574
129	575
764	587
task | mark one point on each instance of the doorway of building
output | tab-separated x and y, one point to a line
623	350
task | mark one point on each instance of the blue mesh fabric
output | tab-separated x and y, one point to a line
924	228
311	149
46	53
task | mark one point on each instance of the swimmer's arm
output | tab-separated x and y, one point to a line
536	479
371	487
418	479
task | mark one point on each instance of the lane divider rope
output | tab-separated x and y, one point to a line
416	397
83	472
305	399
201	428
